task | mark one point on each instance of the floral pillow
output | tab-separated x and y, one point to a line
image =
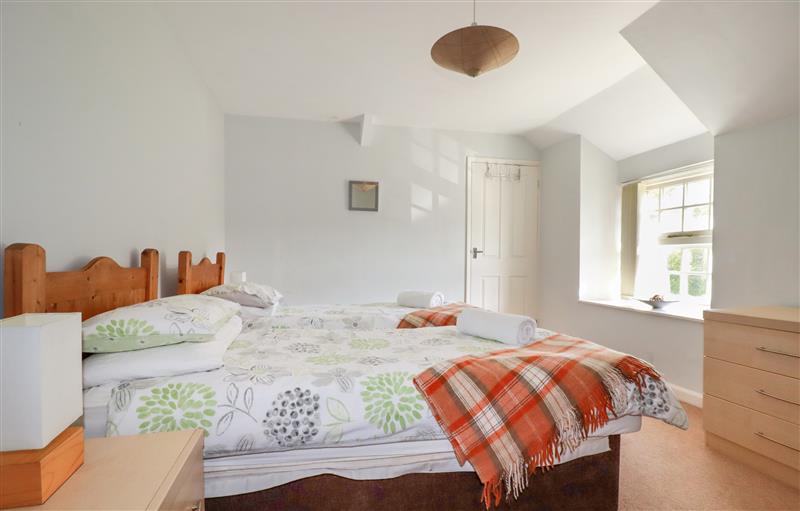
248	294
182	318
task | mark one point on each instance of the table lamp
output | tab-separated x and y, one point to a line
41	396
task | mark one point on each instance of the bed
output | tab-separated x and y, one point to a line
369	463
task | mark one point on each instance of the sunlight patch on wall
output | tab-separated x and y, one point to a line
422	157
448	147
448	169
421	197
418	214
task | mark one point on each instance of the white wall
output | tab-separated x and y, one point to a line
599	225
287	222
675	346
110	142
757	216
669	157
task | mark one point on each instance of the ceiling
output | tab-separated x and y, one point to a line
336	60
733	63
634	115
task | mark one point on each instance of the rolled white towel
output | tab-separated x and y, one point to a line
506	328
420	299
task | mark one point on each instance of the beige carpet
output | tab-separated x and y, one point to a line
669	469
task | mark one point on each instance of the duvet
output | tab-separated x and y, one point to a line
283	389
337	317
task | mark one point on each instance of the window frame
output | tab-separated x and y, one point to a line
682	239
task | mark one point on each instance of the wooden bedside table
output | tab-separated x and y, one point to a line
157	471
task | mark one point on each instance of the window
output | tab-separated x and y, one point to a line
670	234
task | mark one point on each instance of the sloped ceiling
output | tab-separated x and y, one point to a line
733	63
636	114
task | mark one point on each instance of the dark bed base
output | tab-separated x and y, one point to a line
589	483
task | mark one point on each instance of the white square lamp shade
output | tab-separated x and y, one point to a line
40	378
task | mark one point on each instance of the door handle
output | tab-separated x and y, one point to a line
475	252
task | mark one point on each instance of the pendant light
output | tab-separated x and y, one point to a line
475	49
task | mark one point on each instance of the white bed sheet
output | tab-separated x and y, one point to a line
233	475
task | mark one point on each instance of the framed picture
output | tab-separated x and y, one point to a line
363	196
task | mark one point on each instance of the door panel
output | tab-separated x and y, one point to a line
490	292
503	228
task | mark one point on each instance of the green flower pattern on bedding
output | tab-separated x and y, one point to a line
290	388
177	406
392	402
123	328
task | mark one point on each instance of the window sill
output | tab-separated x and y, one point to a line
687	312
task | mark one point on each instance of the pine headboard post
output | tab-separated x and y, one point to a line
184	271
149	261
24	279
221	267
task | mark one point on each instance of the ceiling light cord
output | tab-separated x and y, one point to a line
474	23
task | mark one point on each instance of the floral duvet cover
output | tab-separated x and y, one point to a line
298	388
337	317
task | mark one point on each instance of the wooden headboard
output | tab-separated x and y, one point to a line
194	279
99	286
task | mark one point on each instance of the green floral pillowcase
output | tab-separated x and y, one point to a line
182	318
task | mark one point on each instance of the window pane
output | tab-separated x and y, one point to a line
697	285
672	196
650	200
698	192
674	260
670	220
675	284
696	218
698	259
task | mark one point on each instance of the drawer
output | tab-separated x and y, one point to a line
775	351
771	393
774	438
187	490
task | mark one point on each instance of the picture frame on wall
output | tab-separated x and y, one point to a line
363	195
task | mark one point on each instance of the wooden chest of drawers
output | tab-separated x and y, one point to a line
751	402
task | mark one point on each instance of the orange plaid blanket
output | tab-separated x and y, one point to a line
446	315
511	411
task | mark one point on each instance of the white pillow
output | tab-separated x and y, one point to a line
248	294
187	357
182	318
251	313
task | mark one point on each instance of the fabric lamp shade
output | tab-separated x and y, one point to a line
40	380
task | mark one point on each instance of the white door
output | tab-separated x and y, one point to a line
502	235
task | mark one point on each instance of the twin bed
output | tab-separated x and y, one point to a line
313	407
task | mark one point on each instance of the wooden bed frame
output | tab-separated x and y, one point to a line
196	278
99	286
588	483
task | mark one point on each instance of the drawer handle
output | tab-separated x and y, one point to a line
765	437
765	393
777	352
